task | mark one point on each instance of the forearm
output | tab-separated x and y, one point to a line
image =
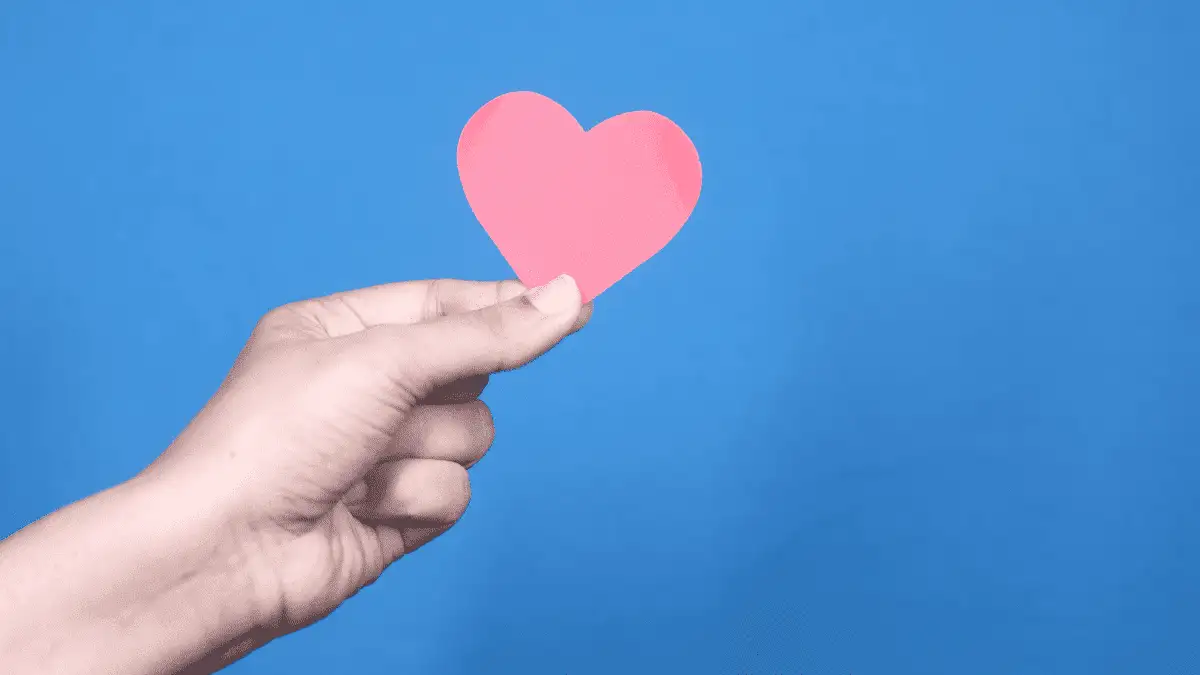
120	583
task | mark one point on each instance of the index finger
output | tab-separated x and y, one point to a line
409	302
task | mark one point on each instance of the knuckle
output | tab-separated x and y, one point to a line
508	288
433	305
496	321
503	324
494	324
293	320
275	316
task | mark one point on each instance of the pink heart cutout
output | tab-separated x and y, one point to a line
557	199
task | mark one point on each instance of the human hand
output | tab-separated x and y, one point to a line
341	438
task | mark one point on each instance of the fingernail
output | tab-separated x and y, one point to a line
556	297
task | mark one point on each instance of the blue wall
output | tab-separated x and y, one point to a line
914	391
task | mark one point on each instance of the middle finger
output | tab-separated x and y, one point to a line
454	432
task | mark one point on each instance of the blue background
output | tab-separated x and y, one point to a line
914	391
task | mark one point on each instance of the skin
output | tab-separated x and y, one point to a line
339	443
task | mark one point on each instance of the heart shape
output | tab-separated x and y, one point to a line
557	199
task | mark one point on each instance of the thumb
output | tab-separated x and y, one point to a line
500	337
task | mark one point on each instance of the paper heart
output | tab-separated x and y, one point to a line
557	199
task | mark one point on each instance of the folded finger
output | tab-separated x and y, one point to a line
409	302
456	432
414	493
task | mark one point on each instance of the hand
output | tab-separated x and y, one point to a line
341	439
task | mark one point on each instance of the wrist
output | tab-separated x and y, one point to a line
136	579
